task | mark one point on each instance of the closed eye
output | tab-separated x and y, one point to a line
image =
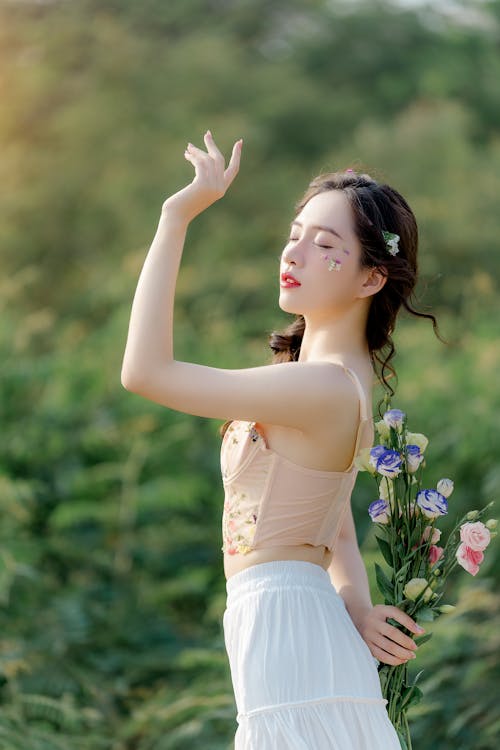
326	247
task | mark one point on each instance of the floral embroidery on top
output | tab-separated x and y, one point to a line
238	522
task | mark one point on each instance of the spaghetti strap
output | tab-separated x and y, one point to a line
362	397
363	408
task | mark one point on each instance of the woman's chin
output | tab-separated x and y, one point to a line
287	306
287	303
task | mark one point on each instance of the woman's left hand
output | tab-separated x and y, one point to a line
388	644
210	182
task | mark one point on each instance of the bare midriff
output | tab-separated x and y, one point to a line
306	552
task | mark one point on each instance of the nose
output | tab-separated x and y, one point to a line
291	256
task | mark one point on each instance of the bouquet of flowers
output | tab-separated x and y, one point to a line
419	561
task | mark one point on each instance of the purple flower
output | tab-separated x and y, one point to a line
394	418
386	461
413	458
432	503
379	511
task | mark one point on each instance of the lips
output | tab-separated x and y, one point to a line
288	280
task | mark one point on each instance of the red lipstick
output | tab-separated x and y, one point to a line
287	280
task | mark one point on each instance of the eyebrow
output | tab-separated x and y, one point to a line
318	226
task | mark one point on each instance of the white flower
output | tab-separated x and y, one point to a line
362	461
414	458
386	461
383	429
386	489
394	418
391	242
416	438
432	503
379	511
445	487
415	587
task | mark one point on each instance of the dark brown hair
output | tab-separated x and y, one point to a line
376	208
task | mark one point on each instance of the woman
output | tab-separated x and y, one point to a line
302	651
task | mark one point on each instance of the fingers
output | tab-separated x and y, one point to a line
234	163
213	159
401	617
398	637
388	643
212	148
385	657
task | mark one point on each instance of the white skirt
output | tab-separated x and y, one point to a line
303	677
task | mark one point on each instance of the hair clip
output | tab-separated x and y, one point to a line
391	242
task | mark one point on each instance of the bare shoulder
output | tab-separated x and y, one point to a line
327	441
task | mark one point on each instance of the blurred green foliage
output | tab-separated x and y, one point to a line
111	582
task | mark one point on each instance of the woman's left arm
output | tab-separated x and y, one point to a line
300	395
348	575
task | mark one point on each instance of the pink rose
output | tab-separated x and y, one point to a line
475	535
435	553
469	559
436	535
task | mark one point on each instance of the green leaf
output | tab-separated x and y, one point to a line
385	549
414	696
424	615
400	573
423	639
385	586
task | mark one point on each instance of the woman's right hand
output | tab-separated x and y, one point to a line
387	643
210	182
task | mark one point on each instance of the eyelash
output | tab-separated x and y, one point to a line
325	247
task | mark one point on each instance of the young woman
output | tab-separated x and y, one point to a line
302	635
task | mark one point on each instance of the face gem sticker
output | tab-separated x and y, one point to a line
333	263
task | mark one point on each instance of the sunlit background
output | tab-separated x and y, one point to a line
111	582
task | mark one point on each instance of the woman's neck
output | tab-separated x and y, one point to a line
342	339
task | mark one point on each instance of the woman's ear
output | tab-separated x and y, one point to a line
375	280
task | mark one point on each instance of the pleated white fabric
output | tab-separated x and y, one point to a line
303	677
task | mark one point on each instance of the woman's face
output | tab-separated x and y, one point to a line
323	254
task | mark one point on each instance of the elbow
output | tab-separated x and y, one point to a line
131	381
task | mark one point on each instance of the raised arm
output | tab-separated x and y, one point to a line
291	394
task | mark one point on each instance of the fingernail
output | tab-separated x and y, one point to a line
208	133
420	630
413	656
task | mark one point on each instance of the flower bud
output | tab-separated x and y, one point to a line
491	524
394	418
445	487
415	587
445	609
362	461
416	438
383	429
472	515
